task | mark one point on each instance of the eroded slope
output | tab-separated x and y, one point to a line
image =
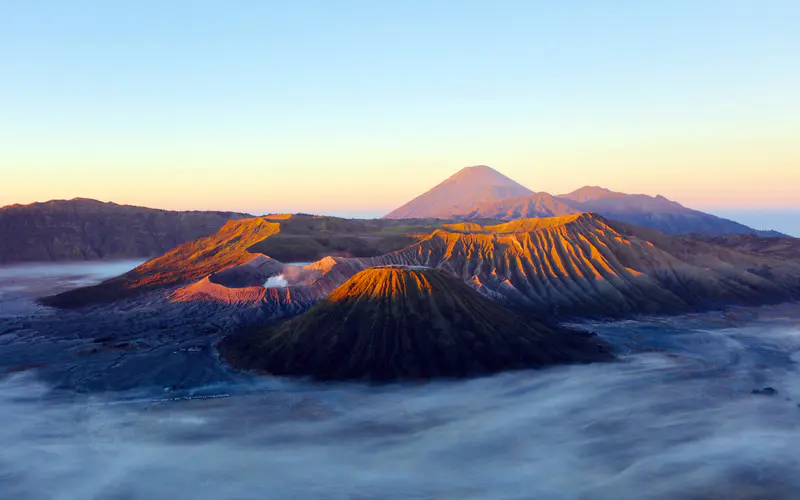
573	265
582	264
387	323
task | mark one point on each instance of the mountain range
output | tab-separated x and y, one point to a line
85	229
482	192
428	298
576	265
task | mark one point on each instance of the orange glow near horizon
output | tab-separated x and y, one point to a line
739	178
695	101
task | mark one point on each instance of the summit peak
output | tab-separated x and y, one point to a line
460	192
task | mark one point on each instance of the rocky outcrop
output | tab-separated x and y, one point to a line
83	229
388	323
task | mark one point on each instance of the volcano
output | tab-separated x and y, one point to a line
481	192
404	322
457	194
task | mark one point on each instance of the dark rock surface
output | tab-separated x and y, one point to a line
784	247
766	391
407	323
134	343
84	229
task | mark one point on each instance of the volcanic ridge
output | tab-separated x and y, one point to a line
576	265
407	322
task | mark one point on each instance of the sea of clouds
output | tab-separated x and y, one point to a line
676	418
653	426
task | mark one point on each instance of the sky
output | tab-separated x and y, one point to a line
355	107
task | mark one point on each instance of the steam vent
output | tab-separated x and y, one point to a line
389	323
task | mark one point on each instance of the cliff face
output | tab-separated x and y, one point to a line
82	229
387	323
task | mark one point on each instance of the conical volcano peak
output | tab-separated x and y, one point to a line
407	322
482	173
461	191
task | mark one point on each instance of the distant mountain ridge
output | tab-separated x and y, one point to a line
496	202
87	229
589	193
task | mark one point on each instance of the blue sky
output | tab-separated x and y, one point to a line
358	106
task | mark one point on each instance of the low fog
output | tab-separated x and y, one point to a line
21	284
653	426
676	417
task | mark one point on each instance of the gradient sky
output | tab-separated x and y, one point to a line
354	107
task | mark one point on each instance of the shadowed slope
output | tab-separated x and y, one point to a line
84	229
781	247
388	323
